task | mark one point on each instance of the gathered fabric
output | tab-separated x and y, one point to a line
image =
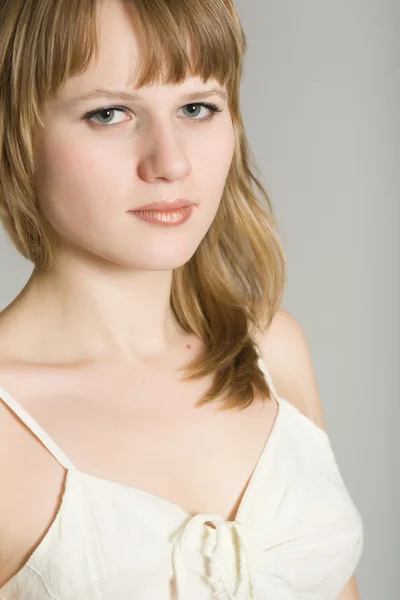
218	576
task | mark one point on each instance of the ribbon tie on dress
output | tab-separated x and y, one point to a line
190	537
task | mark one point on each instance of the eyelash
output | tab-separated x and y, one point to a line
212	107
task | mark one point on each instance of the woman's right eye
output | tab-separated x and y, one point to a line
105	114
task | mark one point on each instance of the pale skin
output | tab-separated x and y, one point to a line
91	174
99	325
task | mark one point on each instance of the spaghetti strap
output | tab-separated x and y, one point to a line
268	377
36	429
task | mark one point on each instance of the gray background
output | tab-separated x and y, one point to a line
321	102
321	99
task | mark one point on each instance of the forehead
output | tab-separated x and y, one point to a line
118	51
118	58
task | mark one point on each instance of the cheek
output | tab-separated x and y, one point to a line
75	184
211	160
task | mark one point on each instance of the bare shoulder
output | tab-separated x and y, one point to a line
21	462
12	447
287	355
30	481
15	335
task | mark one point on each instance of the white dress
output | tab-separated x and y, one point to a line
297	534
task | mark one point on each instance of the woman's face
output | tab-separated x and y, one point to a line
91	171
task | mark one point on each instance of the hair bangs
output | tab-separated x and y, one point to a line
55	54
204	40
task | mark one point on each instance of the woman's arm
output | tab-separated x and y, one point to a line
349	592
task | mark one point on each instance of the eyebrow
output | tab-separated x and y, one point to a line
134	97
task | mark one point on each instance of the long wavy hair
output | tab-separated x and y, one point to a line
233	285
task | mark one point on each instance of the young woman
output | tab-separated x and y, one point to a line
146	453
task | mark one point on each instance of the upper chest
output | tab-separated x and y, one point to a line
142	428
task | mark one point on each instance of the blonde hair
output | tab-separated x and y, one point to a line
233	285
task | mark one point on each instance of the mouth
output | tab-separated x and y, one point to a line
165	206
173	217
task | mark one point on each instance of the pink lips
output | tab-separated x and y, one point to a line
164	205
165	218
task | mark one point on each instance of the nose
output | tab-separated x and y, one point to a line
164	156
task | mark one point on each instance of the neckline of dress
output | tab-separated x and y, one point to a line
267	449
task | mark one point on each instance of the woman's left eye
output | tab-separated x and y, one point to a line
108	112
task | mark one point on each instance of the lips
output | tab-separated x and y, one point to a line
164	205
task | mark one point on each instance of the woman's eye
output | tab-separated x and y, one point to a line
213	110
105	116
